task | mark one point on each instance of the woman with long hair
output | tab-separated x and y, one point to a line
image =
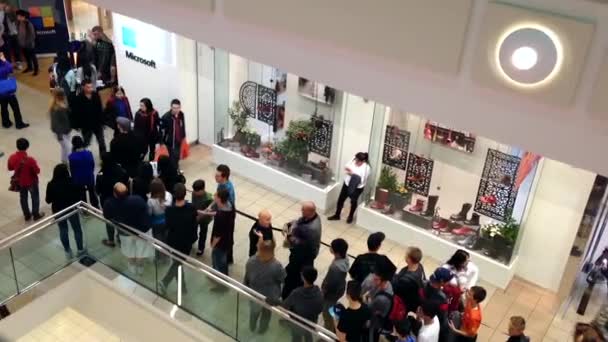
168	173
61	192
147	125
60	122
158	201
118	106
357	172
86	71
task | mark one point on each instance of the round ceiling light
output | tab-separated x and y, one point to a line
529	55
524	58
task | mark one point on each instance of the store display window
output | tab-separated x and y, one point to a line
284	121
460	187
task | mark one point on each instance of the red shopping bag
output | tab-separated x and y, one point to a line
161	150
184	150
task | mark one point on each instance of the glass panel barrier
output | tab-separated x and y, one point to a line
8	286
215	299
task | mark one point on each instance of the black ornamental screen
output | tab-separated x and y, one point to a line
322	134
496	194
267	104
396	145
418	175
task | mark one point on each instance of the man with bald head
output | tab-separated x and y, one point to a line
305	240
112	210
261	229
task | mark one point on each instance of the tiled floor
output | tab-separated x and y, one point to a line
67	326
537	305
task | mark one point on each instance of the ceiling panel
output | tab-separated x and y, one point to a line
427	33
575	37
599	101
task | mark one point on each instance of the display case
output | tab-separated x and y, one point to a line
284	123
455	188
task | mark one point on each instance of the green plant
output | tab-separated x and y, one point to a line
507	230
388	179
294	147
239	116
251	138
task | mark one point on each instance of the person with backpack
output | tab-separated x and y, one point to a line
386	308
366	263
432	291
353	321
413	258
334	284
25	179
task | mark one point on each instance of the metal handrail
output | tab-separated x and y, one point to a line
218	277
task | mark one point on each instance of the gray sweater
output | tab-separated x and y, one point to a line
306	302
308	232
60	121
265	277
334	284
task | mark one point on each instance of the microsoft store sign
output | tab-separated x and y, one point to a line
129	40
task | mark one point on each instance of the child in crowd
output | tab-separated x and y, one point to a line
305	301
334	284
403	330
201	200
517	325
471	318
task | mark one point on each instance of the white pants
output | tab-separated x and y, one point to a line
66	146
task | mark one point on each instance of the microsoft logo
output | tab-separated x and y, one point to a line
128	37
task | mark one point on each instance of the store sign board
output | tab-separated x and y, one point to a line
148	62
50	23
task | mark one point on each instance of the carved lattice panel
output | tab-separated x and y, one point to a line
396	145
496	194
266	104
418	175
322	135
248	97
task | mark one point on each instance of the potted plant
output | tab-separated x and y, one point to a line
387	183
320	171
499	238
252	139
400	197
239	118
294	148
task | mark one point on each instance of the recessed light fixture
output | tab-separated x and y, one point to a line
524	58
528	55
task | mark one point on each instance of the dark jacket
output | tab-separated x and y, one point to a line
306	302
253	238
223	227
182	227
334	284
62	194
104	58
87	113
107	178
307	232
60	121
131	211
147	126
82	167
366	263
168	134
126	149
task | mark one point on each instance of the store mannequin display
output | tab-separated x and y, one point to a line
357	172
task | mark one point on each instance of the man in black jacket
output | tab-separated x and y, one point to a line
366	263
182	225
173	128
126	148
88	115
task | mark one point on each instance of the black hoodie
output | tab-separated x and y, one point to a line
306	302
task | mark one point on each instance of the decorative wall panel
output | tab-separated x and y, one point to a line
266	104
248	97
396	146
322	135
496	194
418	175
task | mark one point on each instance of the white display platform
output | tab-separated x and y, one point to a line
276	180
494	272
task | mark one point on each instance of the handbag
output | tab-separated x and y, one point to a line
14	182
161	150
184	150
8	86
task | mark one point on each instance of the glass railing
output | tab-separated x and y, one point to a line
34	254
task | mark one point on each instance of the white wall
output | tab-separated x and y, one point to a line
550	226
357	126
206	94
175	75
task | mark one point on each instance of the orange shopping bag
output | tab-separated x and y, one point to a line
184	150
161	150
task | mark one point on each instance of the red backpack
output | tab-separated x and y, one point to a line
398	311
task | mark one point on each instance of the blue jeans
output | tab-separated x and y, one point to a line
64	235
23	198
219	260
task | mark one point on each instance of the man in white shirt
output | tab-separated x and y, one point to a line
427	314
357	172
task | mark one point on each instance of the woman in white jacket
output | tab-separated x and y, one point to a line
467	273
357	172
